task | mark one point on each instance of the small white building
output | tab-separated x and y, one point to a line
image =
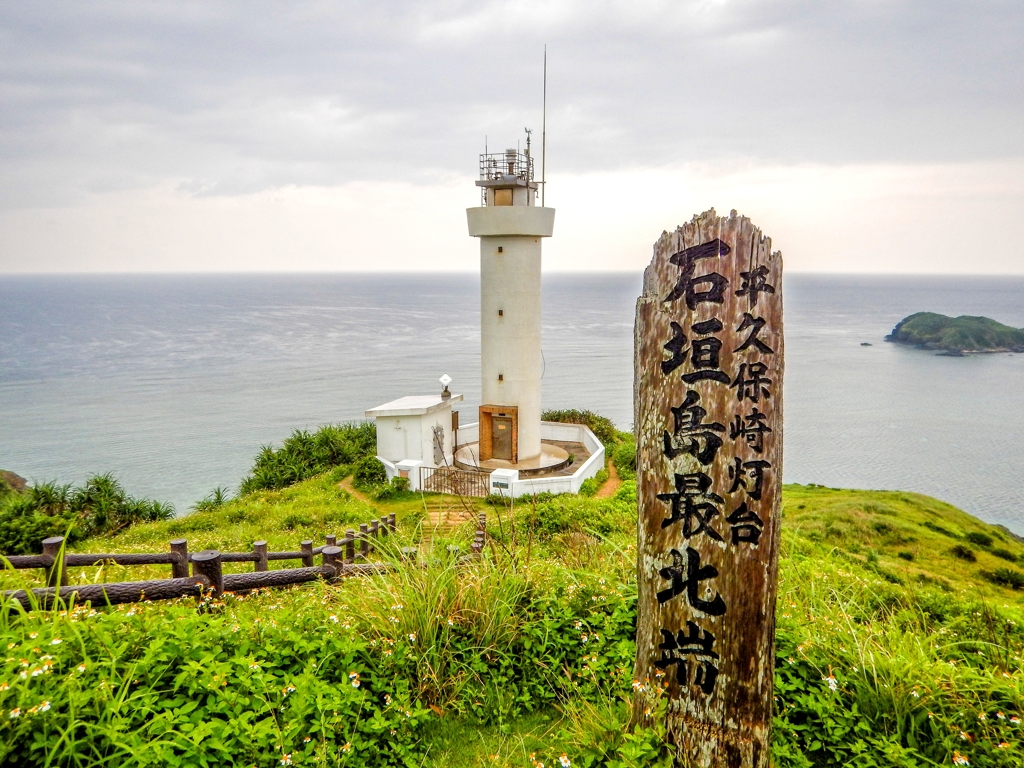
416	428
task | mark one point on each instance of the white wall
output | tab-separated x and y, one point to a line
510	344
398	437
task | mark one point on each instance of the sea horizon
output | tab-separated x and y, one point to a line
173	381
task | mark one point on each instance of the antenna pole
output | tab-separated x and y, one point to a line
544	134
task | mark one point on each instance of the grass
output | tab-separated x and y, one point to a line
892	650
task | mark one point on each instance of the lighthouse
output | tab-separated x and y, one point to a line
511	227
508	450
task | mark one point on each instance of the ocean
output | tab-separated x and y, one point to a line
173	383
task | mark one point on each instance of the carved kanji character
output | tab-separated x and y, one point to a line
695	573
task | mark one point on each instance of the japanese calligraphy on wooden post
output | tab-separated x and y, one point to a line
708	418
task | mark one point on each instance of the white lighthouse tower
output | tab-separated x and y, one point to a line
510	226
508	450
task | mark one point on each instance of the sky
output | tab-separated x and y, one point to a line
879	136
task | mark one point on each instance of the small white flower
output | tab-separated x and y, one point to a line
564	761
16	712
56	641
412	637
333	618
44	707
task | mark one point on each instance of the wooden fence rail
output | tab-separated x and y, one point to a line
337	556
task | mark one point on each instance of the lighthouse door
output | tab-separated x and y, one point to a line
501	440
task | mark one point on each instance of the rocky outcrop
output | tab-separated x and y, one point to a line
12	481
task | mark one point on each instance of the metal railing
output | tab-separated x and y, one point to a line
457	482
495	165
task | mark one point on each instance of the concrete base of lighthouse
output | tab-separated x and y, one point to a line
552	458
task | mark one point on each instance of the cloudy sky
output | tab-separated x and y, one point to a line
866	136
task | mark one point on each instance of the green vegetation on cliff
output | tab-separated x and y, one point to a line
957	334
900	641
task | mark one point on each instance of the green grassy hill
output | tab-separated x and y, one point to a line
957	334
900	642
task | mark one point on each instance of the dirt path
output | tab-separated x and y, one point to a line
346	485
611	485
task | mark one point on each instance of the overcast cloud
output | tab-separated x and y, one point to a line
266	129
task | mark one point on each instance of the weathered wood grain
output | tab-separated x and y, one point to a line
112	594
701	341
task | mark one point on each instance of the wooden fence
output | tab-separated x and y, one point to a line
338	559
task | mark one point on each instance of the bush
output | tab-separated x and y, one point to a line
979	538
963	553
99	507
624	456
385	491
218	498
1005	577
1003	554
304	455
602	427
591	485
369	472
908	556
939	529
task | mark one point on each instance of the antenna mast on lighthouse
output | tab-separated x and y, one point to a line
544	133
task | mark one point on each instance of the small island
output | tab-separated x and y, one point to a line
956	336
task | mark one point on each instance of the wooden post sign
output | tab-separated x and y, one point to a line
708	420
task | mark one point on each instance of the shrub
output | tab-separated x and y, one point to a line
369	472
218	498
294	521
1004	554
939	529
624	456
602	427
908	556
591	485
304	455
99	507
1005	577
963	553
394	489
979	538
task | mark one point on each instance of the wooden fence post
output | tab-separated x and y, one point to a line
259	549
708	405
57	575
330	540
207	563
392	522
307	553
350	546
364	539
332	557
179	570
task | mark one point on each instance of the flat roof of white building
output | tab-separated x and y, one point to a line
413	405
